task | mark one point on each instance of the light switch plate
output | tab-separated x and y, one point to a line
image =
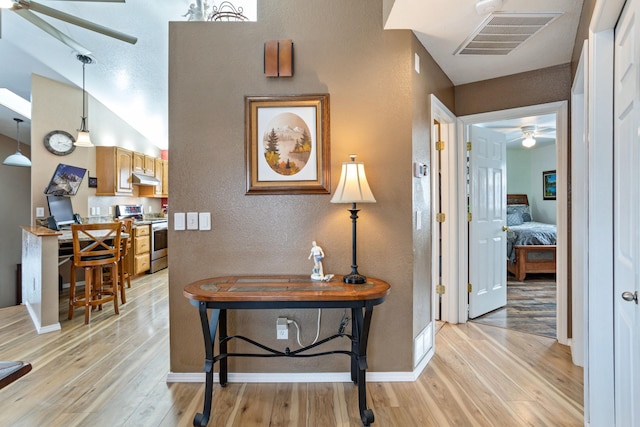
192	220
204	220
39	212
178	221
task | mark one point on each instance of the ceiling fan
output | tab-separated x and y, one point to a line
529	134
25	9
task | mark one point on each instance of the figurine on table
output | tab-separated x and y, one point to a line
317	254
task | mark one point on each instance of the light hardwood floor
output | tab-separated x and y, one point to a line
112	373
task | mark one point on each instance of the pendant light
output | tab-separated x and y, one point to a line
83	139
17	159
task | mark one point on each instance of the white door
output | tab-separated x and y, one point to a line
487	205
626	218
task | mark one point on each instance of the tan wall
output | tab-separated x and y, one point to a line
340	49
582	33
430	80
519	90
14	208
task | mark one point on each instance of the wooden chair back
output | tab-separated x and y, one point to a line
96	244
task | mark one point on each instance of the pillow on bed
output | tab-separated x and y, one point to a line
514	218
523	210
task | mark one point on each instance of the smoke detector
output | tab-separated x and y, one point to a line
488	6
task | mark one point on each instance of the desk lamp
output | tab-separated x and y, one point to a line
353	188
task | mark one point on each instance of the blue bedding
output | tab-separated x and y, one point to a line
529	233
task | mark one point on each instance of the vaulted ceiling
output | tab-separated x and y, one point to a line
132	80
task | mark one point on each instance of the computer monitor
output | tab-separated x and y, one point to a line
60	208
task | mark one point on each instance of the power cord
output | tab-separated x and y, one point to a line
298	329
343	322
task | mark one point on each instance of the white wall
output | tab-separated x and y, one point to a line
542	159
518	171
524	176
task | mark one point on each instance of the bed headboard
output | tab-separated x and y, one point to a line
517	199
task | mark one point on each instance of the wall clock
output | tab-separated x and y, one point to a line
59	142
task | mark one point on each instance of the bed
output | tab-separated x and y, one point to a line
531	245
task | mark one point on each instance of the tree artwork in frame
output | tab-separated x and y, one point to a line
287	144
549	185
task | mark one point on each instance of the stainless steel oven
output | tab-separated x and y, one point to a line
159	249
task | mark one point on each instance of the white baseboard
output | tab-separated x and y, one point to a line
311	377
36	321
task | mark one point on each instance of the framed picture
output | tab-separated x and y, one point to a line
287	144
549	185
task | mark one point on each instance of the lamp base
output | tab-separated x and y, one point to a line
354	278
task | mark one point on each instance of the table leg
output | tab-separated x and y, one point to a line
222	340
363	324
209	333
355	345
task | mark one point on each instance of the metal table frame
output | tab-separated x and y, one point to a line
361	312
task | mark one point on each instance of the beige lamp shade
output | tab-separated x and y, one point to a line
353	186
83	139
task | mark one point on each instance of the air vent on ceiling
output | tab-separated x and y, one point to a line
502	32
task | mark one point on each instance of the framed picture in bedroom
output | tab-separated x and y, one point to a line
287	144
549	185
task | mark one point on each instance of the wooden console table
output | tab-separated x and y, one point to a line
274	292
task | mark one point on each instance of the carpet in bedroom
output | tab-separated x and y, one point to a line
531	306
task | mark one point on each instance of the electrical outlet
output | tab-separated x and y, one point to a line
282	328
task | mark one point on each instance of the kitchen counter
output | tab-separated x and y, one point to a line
150	221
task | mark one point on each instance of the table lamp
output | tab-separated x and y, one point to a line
353	188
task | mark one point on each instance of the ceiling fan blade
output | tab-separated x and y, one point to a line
99	1
46	10
51	30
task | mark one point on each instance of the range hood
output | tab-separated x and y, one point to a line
142	179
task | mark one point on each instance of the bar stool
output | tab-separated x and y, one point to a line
95	247
124	262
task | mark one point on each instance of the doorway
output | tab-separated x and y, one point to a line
561	117
529	302
455	264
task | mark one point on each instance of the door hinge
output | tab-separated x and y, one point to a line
440	289
469	217
469	288
440	217
439	145
469	146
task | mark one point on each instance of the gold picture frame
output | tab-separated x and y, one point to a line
287	144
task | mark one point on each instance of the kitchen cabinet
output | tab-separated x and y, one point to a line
141	249
138	162
165	178
149	165
113	170
161	171
158	174
114	166
143	164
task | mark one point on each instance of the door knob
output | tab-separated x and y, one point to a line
630	296
505	228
